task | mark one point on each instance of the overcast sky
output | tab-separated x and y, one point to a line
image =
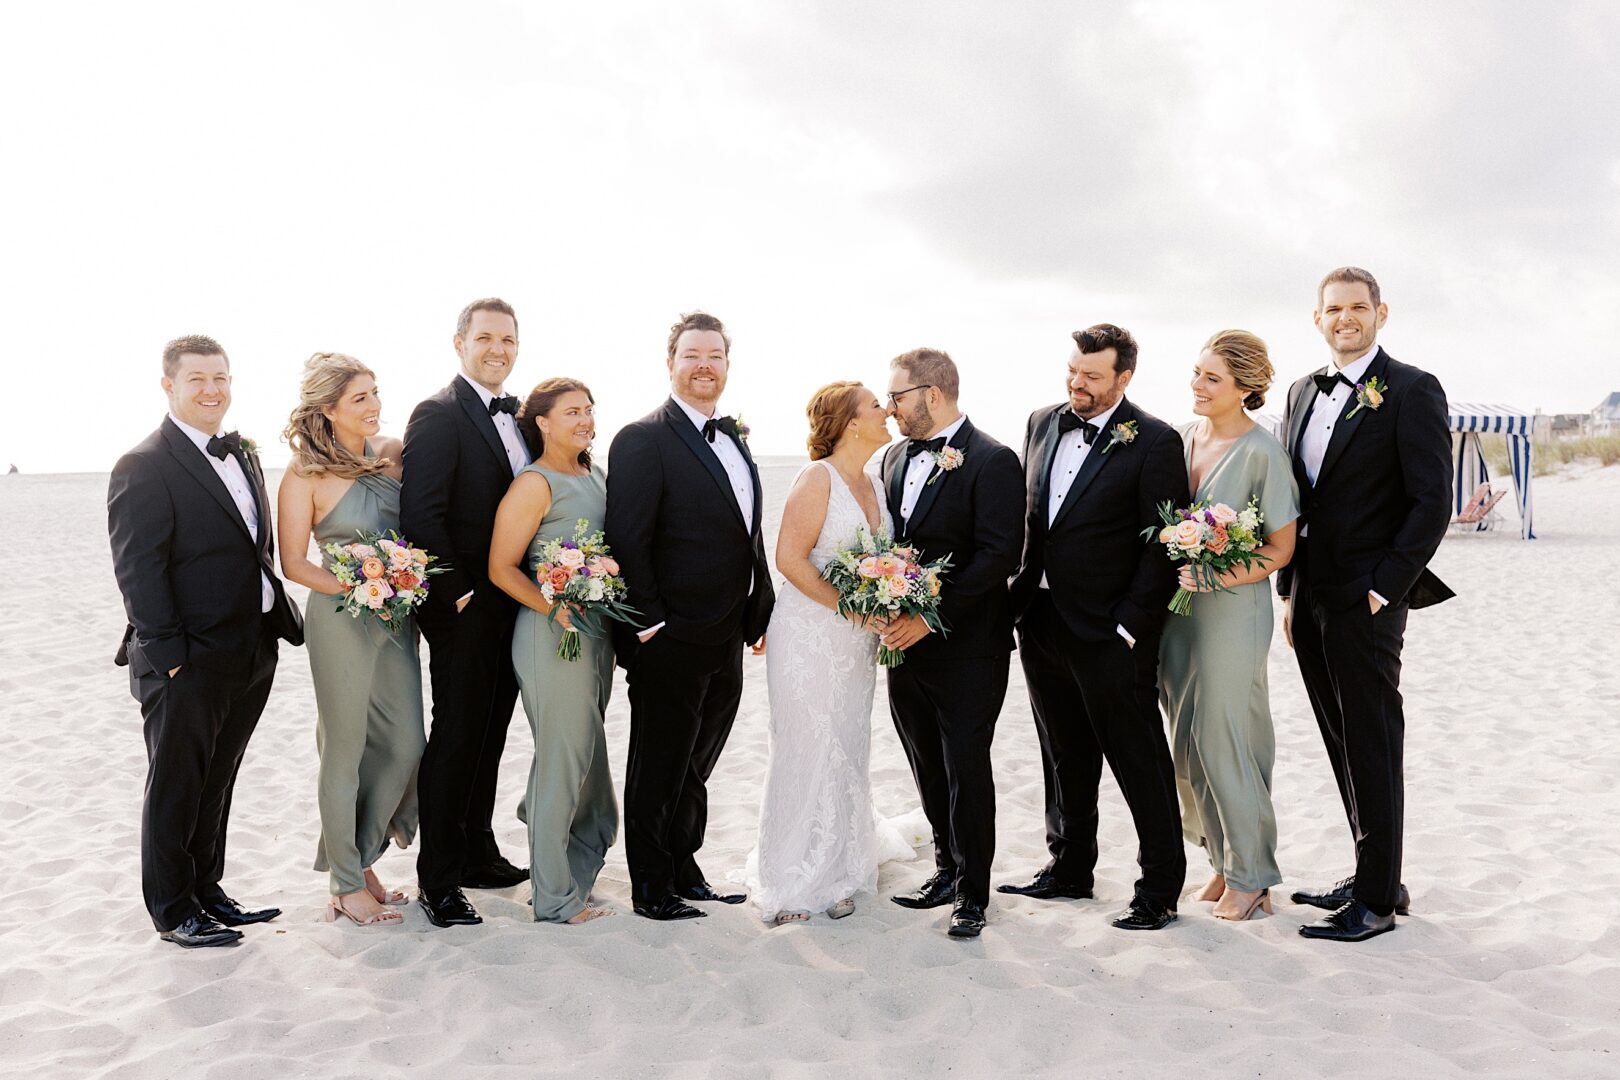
838	181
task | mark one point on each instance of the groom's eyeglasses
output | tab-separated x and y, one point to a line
896	395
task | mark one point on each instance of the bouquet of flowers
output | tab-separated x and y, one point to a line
382	575
583	575
1211	539
880	578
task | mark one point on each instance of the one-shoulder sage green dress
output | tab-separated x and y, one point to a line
368	700
570	809
1212	682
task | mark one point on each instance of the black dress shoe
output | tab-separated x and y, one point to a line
449	908
1047	887
1145	915
669	909
704	891
1342	892
967	918
935	892
201	932
493	874
230	913
1353	922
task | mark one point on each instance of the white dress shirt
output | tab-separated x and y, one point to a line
241	488
920	468
517	453
1072	451
1324	417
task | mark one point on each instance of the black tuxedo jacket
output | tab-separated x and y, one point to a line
1102	573
455	473
974	514
678	533
1382	498
185	561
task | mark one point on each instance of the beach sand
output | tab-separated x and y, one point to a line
1508	966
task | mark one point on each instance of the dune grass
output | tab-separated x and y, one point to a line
1604	449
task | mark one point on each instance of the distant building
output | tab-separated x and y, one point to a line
1606	417
1570	425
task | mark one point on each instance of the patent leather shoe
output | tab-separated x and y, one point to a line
967	918
200	931
1145	915
496	873
449	907
704	891
1047	887
1341	893
228	912
669	909
1353	922
935	892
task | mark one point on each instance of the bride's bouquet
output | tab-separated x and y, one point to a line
1212	539
382	575
882	579
583	575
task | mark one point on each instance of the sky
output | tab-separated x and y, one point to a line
838	181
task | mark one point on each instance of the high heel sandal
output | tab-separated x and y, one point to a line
1261	902
334	908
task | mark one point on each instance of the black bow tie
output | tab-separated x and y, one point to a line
221	446
727	424
1327	383
504	403
919	446
1068	421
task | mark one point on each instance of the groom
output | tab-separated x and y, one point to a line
1090	601
683	518
462	448
1372	453
947	694
189	523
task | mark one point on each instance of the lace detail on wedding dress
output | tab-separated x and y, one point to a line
819	839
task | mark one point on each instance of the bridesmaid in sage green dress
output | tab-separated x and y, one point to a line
570	808
1212	667
368	679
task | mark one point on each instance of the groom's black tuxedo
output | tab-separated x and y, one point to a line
695	564
1095	696
456	471
190	572
1371	522
946	696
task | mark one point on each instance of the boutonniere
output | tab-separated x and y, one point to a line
1369	395
947	460
743	429
249	447
1123	434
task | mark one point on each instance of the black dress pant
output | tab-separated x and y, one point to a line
1350	660
683	701
945	711
474	694
1096	701
197	728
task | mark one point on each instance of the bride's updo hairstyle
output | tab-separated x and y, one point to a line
1246	358
315	449
830	410
539	403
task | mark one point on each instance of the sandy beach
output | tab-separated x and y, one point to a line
1508	966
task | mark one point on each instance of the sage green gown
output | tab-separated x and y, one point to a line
570	809
368	700
1212	682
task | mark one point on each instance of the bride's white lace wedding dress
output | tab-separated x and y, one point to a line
819	839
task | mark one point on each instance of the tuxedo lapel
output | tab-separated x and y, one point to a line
688	433
1096	459
261	499
895	482
1301	411
938	478
753	471
193	461
1046	443
478	413
1348	425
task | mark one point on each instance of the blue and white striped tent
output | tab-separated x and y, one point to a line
1468	422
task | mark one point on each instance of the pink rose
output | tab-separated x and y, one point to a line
573	558
1223	514
609	566
933	583
1188	535
399	557
559	577
1167	534
372	567
405	581
1218	542
898	586
374	593
419	556
869	567
362	551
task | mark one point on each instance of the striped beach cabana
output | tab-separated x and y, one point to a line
1468	422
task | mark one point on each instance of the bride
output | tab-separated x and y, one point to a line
819	840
